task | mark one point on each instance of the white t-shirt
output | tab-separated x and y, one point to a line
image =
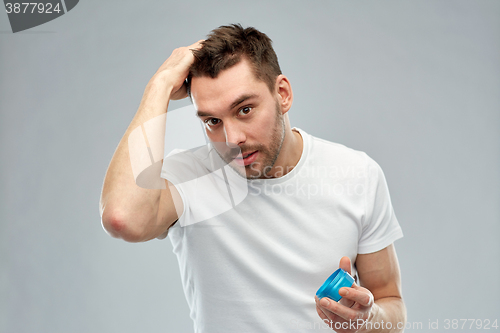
256	264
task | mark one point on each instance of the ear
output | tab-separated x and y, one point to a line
284	93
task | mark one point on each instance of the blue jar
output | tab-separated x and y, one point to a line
332	285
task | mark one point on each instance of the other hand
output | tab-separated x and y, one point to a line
351	311
176	69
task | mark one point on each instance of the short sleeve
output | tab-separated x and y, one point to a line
380	227
207	185
178	166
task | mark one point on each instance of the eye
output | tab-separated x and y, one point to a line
212	121
244	111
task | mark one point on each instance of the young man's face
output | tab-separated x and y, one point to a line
238	109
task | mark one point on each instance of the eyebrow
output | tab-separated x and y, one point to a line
238	101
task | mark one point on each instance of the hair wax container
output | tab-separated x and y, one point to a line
332	285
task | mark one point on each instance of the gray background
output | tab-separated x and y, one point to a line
415	84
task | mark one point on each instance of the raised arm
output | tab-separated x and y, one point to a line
127	210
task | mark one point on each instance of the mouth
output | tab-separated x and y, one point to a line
247	158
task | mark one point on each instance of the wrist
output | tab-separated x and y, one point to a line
156	95
160	83
168	79
372	317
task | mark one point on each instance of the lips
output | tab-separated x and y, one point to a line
247	158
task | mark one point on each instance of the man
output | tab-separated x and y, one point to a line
311	204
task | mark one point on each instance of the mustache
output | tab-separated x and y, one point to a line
230	151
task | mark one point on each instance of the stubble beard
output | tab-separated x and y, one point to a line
270	154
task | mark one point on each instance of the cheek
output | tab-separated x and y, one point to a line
213	136
266	125
213	131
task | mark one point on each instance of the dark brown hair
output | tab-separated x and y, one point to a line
227	45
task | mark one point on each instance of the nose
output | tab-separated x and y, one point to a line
234	134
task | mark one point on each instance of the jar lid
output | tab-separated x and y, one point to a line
332	285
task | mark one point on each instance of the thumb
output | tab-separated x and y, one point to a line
345	264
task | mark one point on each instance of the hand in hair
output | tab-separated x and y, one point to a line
175	70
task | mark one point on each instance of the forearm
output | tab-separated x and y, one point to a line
127	210
388	315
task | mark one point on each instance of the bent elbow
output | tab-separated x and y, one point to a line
117	226
112	223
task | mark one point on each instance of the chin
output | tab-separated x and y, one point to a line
253	173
